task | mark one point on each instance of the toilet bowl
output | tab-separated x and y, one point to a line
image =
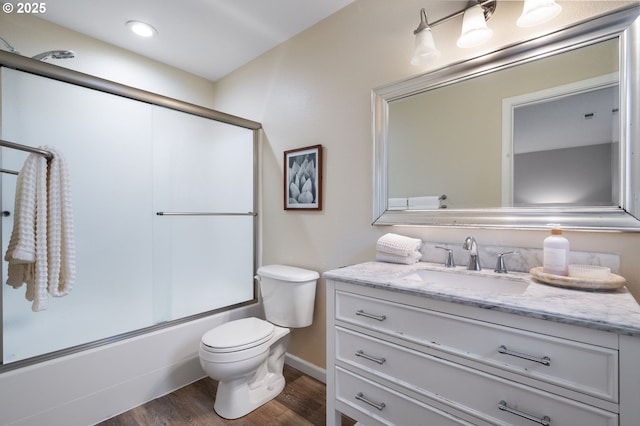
246	356
250	373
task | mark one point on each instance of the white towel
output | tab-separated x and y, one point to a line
398	245
60	235
407	260
397	204
424	203
41	251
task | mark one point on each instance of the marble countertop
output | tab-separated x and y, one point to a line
616	311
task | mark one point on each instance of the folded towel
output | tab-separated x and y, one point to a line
424	203
397	204
398	245
406	260
41	251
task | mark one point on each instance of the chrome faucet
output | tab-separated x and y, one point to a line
474	257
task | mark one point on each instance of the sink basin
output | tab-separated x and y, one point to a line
476	282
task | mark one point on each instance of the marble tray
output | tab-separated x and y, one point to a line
612	283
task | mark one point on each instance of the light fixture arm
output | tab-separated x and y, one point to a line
423	21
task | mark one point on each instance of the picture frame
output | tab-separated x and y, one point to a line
303	178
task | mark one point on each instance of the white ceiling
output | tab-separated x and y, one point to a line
208	38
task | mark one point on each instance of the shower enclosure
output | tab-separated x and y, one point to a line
164	196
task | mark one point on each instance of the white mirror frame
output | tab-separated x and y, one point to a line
624	25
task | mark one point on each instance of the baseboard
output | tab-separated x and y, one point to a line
306	367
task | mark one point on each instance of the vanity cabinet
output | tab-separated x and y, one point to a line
398	358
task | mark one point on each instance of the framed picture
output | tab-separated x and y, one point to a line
303	178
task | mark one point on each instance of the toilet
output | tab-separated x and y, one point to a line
246	356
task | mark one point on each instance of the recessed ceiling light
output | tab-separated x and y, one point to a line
141	28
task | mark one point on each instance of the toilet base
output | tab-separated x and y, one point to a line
235	398
241	395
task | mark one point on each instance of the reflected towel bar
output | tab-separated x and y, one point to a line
205	214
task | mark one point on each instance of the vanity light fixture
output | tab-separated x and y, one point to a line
141	28
425	46
537	12
474	25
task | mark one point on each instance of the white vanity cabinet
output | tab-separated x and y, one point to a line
394	357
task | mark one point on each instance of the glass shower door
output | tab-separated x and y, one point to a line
129	160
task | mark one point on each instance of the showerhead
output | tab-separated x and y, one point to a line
55	54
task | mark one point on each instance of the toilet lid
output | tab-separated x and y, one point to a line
238	335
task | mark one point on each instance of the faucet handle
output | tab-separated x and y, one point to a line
501	267
449	262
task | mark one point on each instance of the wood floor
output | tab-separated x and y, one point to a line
301	403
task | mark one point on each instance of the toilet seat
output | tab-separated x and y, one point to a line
237	335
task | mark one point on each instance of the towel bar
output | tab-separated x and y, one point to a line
11	172
204	214
48	155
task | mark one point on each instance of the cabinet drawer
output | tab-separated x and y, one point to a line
385	406
588	369
472	391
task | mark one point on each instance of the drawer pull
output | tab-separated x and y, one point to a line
545	421
379	405
545	360
361	353
368	315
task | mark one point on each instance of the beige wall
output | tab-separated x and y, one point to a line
315	89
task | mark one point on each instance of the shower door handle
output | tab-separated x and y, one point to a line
205	214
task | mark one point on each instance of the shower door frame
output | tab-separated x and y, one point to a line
43	69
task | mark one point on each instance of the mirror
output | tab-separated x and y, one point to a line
536	133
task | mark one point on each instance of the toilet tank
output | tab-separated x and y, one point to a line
288	294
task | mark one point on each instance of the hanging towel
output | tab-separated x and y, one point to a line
61	257
41	251
398	245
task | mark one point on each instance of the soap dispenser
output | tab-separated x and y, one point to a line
555	253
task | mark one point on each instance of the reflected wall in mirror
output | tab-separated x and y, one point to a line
449	140
517	137
561	145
